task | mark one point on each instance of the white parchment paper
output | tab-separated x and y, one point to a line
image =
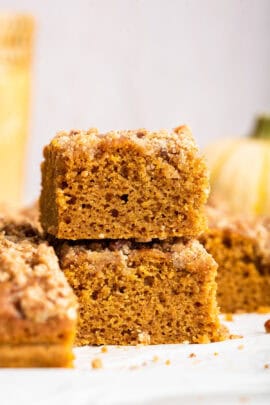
230	372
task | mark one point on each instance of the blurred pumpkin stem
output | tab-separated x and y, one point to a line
262	128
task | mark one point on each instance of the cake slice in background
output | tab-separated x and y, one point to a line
241	246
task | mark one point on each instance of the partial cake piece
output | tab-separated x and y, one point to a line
123	184
21	214
131	293
241	247
37	306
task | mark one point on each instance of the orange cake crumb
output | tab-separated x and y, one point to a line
192	355
232	336
168	362
104	349
123	184
96	363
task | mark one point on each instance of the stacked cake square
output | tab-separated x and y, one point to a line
124	210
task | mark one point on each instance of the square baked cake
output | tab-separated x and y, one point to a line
153	293
123	184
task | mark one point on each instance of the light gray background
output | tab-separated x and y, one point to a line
147	63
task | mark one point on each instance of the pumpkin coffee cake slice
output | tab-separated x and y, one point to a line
37	306
152	293
123	184
241	247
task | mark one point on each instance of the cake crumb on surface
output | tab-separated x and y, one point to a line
240	347
192	355
155	359
216	353
104	349
96	363
267	366
228	317
144	338
168	362
267	326
232	336
134	367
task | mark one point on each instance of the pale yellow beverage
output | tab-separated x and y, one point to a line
16	42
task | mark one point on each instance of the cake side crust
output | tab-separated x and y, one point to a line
36	355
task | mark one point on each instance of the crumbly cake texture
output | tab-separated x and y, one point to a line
241	247
142	293
123	184
37	306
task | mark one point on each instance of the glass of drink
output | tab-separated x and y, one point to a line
16	45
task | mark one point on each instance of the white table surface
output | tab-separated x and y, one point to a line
236	375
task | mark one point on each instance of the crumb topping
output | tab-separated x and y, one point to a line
255	228
188	254
16	226
32	285
162	141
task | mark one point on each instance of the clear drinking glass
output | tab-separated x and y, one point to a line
16	44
